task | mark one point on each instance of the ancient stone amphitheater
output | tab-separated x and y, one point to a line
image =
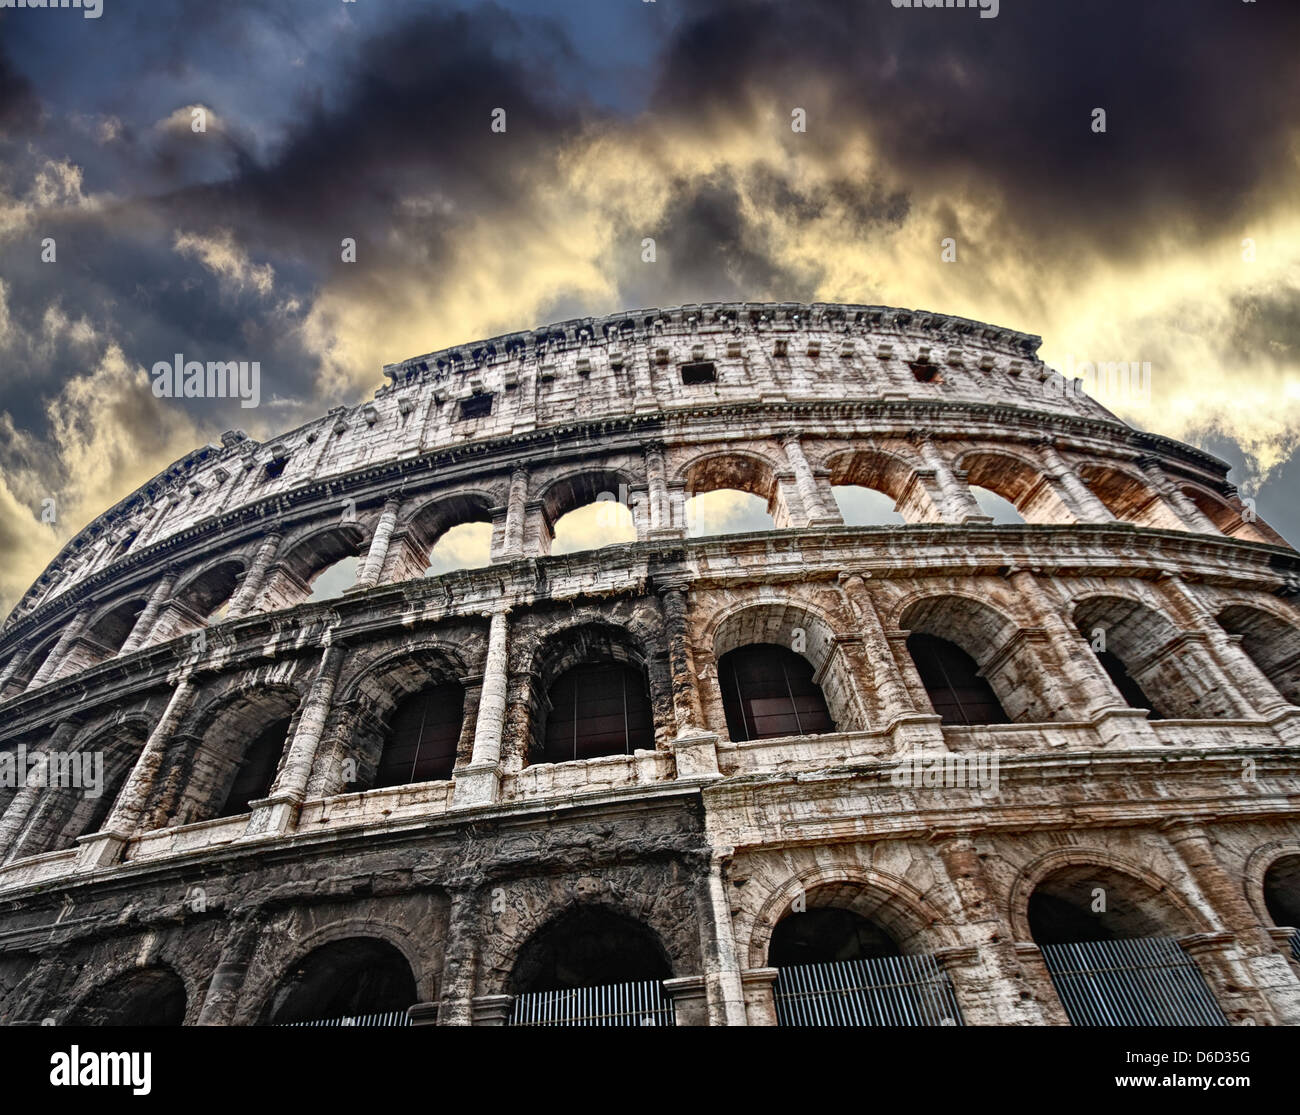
1033	767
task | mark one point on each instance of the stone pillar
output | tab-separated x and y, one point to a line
959	505
459	962
994	988
1078	496
687	711
805	482
11	668
1069	659
491	1010
14	819
246	595
480	782
891	691
222	997
378	551
129	807
1242	673
515	511
726	995
1270	972
161	596
54	659
1195	519
657	489
280	808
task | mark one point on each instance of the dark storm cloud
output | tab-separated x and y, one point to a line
1202	99
19	106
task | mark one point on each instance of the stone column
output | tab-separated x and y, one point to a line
1078	496
657	488
959	505
162	594
246	595
76	627
1070	659
515	510
891	691
129	807
480	782
1195	519
726	993
805	482
222	997
1240	669
459	962
687	711
378	551
280	808
1271	974
14	819
994	989
760	996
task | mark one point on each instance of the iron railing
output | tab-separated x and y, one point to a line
1143	981
384	1018
1295	944
884	991
620	1004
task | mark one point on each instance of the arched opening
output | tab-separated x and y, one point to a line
1129	499
360	978
208	594
1109	941
257	768
112	629
334	580
423	737
1271	643
999	509
769	691
446	534
1151	666
321	566
598	709
826	935
732	494
97	770
957	690
865	507
887	475
587	511
465	546
1230	520
838	965
605	522
22	677
145	997
592	693
1282	895
726	511
1012	490
589	947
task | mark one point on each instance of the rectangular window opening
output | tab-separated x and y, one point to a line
476	406
700	371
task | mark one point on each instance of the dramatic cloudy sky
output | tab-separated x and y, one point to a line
625	119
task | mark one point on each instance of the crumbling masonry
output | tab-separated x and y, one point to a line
152	902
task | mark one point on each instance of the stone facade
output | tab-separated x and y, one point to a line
704	843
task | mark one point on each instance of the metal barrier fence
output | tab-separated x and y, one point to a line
1295	944
617	1004
886	991
1143	981
386	1018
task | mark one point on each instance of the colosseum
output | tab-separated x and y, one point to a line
1017	749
